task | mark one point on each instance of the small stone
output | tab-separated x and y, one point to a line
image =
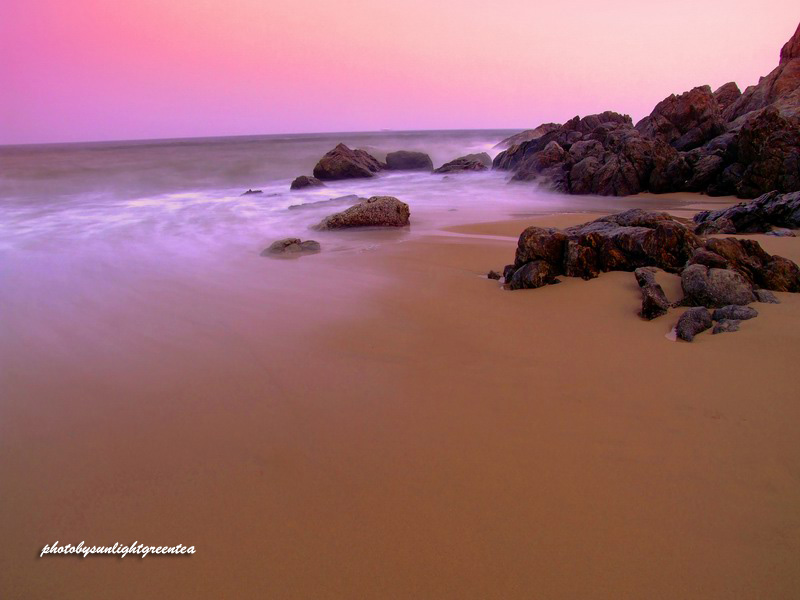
494	275
289	247
305	181
692	322
766	297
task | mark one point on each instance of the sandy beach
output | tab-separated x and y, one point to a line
390	423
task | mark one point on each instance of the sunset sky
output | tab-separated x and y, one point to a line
75	70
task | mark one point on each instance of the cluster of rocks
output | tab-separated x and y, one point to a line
764	214
345	163
721	142
718	273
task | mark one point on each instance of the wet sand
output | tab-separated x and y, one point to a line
391	424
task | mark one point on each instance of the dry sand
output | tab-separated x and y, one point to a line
391	424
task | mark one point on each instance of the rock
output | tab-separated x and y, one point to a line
249	192
727	94
762	270
344	163
291	247
766	297
404	160
735	313
780	232
714	287
527	135
494	275
654	301
532	275
685	121
726	326
470	162
704	256
692	322
305	181
756	216
769	146
378	211
348	200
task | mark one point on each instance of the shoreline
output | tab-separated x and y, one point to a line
392	424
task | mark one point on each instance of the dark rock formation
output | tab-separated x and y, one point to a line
654	300
305	181
378	211
527	135
760	215
470	162
766	297
404	160
291	247
493	275
692	322
249	192
720	143
685	121
619	242
344	163
761	269
715	287
780	232
734	313
726	326
533	275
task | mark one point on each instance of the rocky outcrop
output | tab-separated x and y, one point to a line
304	181
758	216
692	322
470	162
685	121
291	247
720	143
761	269
344	163
527	135
404	160
378	211
620	242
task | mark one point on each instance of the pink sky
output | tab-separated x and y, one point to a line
105	69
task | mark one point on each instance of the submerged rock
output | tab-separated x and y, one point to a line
470	162
305	181
378	211
290	247
249	192
344	163
404	160
692	322
341	200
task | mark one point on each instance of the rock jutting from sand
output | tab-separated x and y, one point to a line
766	297
721	273
692	322
470	162
291	247
720	143
378	211
757	216
304	181
405	160
344	163
726	326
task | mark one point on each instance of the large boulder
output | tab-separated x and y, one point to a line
527	135
405	160
715	288
757	216
685	121
378	211
469	162
344	163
